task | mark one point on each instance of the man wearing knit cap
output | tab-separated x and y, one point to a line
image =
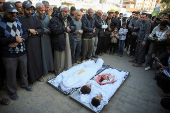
62	28
46	47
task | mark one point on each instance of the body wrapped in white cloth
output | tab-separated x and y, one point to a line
77	76
106	90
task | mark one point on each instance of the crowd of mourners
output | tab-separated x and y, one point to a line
41	39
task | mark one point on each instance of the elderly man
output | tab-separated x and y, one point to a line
98	24
13	49
33	43
47	8
46	47
62	28
77	36
89	30
19	8
144	30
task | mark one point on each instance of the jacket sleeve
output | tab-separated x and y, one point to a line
162	38
147	31
130	24
73	26
97	23
111	36
117	36
56	28
25	34
39	27
6	40
85	28
153	32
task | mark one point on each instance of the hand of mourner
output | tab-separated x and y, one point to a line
13	44
143	43
80	31
68	29
33	31
155	38
133	33
94	30
19	39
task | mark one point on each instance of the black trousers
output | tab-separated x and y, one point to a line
11	65
100	45
163	82
113	47
133	44
2	71
106	42
139	52
165	102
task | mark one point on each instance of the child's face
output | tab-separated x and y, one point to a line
124	26
115	30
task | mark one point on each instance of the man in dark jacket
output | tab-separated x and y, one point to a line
62	28
144	30
98	24
88	24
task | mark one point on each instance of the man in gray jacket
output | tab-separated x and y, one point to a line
77	37
144	31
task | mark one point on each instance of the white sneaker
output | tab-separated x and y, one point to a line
147	68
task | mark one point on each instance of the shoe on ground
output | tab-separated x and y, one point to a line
95	56
100	54
28	88
83	61
13	96
147	68
78	62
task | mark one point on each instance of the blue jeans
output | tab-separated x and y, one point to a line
121	46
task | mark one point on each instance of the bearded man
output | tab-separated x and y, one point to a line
62	28
33	43
46	47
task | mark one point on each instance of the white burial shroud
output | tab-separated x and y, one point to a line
77	76
106	90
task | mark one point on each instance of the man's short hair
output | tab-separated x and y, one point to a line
45	2
121	14
110	13
95	102
72	8
134	12
163	23
144	14
85	90
137	12
16	3
89	10
116	12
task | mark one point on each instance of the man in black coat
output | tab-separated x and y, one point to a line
88	26
62	28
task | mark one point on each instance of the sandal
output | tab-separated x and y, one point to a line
4	101
133	61
41	79
136	65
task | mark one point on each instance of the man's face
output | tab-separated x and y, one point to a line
1	3
90	13
47	8
110	15
114	15
72	12
28	11
99	14
104	17
133	15
41	10
121	16
64	12
10	16
137	16
143	18
78	16
162	27
19	8
166	18
51	9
